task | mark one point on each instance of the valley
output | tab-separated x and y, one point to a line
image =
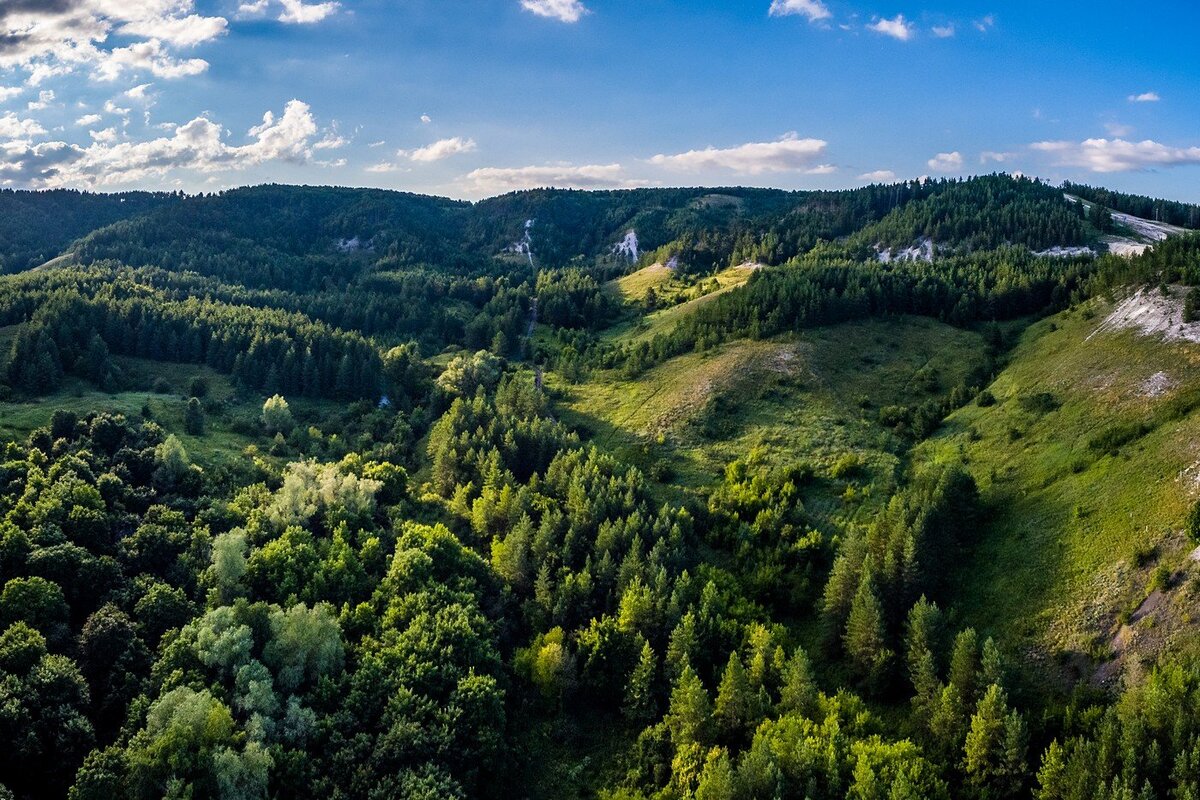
632	494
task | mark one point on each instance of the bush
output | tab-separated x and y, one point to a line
198	387
846	466
985	399
161	386
1193	523
277	416
1039	403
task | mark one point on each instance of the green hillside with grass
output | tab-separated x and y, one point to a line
659	494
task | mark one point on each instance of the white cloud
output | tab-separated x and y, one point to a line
139	92
495	180
814	10
106	136
332	141
180	31
1118	129
197	145
993	157
561	10
380	143
1118	155
111	107
46	38
149	56
14	127
88	119
425	118
788	154
985	24
383	166
291	11
1145	97
439	150
9	92
45	98
898	28
943	31
946	162
878	176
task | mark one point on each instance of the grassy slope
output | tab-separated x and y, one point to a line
687	296
1054	563
797	399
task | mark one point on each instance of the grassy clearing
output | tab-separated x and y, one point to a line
1087	463
633	287
682	297
812	398
220	442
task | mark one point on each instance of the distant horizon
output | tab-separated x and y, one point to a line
476	98
473	201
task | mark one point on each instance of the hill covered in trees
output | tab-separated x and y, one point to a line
663	493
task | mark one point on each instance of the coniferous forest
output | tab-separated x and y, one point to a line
317	492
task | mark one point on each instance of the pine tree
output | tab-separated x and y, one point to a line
865	636
681	650
1052	782
994	751
964	665
640	703
736	710
716	781
689	716
798	694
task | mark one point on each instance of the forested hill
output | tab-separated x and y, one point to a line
37	226
235	234
662	494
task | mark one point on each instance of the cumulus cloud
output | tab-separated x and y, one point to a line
986	23
88	119
53	37
426	119
994	157
1145	97
9	92
439	150
14	127
1118	155
561	10
149	56
198	145
495	180
946	162
943	31
180	31
878	176
897	28
788	154
45	98
814	10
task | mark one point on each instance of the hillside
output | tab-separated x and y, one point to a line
661	493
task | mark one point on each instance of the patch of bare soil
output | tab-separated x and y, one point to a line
1156	385
1161	619
1152	313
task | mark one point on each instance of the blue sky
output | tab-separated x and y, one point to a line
475	97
